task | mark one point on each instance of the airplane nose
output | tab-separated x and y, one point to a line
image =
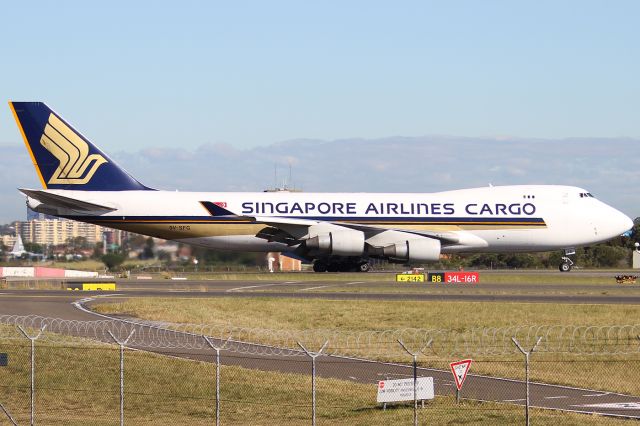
628	223
621	222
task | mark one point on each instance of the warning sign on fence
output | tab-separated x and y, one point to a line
402	389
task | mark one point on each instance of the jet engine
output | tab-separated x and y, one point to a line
338	243
414	250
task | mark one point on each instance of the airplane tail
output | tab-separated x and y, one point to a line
18	247
63	158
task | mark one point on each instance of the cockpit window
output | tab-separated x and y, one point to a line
586	195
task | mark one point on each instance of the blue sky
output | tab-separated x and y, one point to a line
151	82
144	74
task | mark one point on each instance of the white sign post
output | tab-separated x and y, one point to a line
402	390
459	370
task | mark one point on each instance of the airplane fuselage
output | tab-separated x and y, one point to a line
490	219
338	232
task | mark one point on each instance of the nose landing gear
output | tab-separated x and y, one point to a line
567	263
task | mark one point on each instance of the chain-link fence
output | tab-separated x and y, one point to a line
114	372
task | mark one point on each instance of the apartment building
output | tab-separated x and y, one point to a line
52	232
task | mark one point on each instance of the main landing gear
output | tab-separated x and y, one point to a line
326	265
567	263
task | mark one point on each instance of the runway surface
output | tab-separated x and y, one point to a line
60	304
549	291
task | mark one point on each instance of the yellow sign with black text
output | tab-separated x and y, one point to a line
410	278
97	286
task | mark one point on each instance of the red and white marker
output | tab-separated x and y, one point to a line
460	370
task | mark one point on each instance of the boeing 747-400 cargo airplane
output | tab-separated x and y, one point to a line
336	231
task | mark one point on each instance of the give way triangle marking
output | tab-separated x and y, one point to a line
460	370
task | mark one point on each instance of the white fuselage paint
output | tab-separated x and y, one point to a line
491	219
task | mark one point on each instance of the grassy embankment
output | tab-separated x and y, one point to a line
610	373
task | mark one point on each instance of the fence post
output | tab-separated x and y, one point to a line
33	368
217	349
526	368
415	376
4	410
313	377
121	344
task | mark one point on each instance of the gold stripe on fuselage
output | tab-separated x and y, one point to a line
177	229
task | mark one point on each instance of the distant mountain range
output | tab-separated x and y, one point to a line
609	168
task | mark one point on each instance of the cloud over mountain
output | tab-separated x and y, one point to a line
610	168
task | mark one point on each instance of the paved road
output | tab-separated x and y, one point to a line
59	304
569	299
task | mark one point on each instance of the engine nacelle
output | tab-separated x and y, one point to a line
415	250
338	243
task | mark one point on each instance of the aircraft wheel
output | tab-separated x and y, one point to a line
333	267
364	267
319	266
346	267
565	267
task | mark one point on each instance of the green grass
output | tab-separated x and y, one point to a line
363	315
79	385
610	373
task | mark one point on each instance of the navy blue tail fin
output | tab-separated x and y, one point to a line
63	158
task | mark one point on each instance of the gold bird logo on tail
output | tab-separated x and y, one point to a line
76	167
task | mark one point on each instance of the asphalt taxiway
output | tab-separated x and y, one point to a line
57	303
607	292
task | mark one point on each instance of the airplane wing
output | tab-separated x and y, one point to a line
56	201
443	237
369	230
306	237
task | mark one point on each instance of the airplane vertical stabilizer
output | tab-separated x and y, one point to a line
18	247
63	158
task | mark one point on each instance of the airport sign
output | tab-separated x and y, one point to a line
459	370
453	277
410	278
399	390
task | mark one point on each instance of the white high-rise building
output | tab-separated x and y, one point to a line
59	231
